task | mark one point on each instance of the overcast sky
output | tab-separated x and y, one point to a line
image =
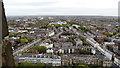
61	7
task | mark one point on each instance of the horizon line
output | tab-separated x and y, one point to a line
64	15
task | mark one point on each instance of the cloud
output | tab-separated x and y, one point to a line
63	7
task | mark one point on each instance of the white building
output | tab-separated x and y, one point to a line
93	51
15	38
47	45
109	43
92	42
49	51
59	23
61	51
22	31
117	61
32	32
28	28
51	33
75	25
78	42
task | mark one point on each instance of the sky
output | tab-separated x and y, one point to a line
61	7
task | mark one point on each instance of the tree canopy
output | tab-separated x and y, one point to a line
23	41
41	49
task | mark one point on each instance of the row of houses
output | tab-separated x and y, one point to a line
63	60
66	47
39	58
73	49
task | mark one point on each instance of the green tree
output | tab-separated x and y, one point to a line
118	28
84	29
66	33
29	64
85	43
109	48
108	34
16	64
48	26
11	35
18	34
82	39
23	41
105	38
25	37
26	64
114	33
41	49
94	66
85	52
24	52
31	39
82	66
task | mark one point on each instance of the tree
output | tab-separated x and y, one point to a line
41	49
114	33
48	26
66	33
82	39
31	39
26	64
105	39
84	29
18	34
25	52
25	37
82	66
108	34
11	35
118	29
23	41
71	23
85	52
29	64
16	64
94	66
109	48
85	43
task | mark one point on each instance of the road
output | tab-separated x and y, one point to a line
24	47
